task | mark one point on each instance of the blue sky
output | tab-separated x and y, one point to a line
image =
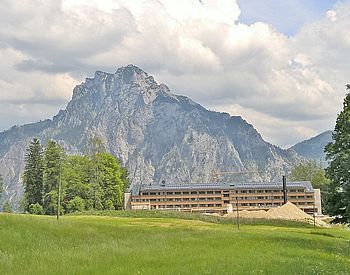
287	16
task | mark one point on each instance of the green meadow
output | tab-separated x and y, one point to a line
127	244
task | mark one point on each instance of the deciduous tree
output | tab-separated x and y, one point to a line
338	171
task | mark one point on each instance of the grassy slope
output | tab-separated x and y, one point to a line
125	245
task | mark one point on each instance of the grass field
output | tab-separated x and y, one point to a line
168	245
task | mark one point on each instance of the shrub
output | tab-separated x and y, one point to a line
108	205
76	205
36	209
7	207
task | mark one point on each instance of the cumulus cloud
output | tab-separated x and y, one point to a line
288	87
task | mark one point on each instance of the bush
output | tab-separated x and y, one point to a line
108	205
36	209
7	207
76	205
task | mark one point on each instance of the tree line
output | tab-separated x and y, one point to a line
338	171
96	180
316	174
334	180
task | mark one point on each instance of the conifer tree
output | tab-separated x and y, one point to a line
7	207
1	185
33	174
338	171
53	158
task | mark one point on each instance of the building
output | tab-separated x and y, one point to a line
217	198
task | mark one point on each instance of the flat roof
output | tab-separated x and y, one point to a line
136	189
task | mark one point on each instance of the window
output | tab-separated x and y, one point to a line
226	195
185	193
217	192
145	193
177	193
201	192
209	192
251	191
194	205
193	192
226	202
153	193
169	193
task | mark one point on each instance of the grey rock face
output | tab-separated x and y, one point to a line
157	135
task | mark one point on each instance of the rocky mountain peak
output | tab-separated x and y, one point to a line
157	135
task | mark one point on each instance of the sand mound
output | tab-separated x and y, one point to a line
289	211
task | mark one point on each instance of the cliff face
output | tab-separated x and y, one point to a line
156	134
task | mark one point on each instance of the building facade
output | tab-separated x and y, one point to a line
218	198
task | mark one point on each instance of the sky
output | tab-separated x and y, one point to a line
281	65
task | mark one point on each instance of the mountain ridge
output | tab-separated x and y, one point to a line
313	148
157	135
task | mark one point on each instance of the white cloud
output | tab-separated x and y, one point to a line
288	87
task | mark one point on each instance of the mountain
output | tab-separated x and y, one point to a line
313	148
156	134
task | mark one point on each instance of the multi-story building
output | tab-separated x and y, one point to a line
218	198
